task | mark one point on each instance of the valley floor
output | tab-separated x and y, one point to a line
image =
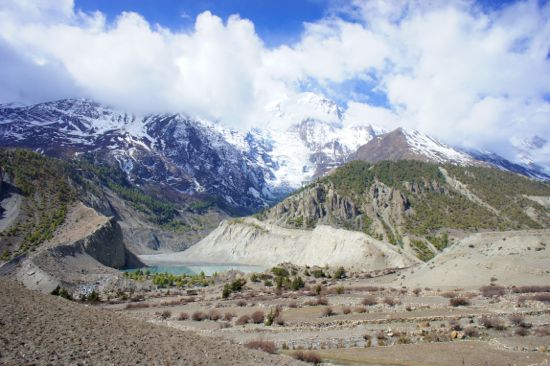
397	326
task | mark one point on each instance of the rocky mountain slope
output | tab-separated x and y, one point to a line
38	191
238	171
419	206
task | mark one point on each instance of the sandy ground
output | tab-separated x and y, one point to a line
38	329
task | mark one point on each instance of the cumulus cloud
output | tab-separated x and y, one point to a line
473	77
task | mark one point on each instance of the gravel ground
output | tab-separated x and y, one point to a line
37	329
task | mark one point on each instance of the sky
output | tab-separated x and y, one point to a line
474	74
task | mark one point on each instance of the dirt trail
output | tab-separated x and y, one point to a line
37	329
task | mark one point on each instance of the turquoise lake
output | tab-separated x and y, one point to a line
191	269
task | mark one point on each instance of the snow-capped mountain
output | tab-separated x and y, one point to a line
302	139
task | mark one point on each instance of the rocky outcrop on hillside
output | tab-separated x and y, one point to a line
86	249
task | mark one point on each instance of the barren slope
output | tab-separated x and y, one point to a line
512	258
38	329
250	241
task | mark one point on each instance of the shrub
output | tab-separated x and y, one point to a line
542	331
489	323
266	346
226	291
455	325
545	298
214	315
492	290
381	335
346	310
340	273
522	332
139	305
228	316
471	332
257	317
360	309
459	301
516	319
61	292
198	316
243	320
165	314
369	301
417	291
297	283
241	303
530	289
318	273
308	356
279	272
183	316
293	304
449	294
389	301
328	311
268	283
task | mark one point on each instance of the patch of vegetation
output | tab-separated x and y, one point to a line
422	251
165	280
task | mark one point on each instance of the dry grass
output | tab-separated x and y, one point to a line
266	346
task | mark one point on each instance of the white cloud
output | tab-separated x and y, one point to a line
468	76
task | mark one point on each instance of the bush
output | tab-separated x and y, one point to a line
241	303
360	309
243	320
318	273
266	346
471	332
459	301
545	297
61	292
308	356
183	316
346	310
165	314
522	332
214	315
198	316
489	323
340	273
369	301
279	272
297	283
293	304
449	294
517	320
417	291
542	331
228	316
257	317
226	292
328	311
455	325
492	291
139	305
389	301
530	289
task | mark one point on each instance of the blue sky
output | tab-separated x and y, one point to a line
276	21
